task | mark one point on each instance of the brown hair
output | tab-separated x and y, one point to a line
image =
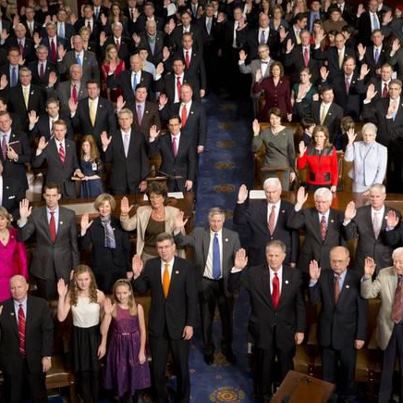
94	153
105	197
325	131
132	303
279	65
81	269
156	188
108	48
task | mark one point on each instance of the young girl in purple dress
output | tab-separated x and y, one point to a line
126	369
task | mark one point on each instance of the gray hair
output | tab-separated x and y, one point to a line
216	211
378	186
276	244
369	127
396	252
273	182
323	192
127	111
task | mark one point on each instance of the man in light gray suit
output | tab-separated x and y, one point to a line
388	285
215	251
56	251
262	64
369	158
75	88
78	55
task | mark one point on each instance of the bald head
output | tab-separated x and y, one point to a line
18	287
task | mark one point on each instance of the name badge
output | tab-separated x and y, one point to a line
94	166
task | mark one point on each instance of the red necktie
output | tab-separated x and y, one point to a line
184	115
4	146
385	91
52	226
306	57
272	218
187	59
62	154
275	295
337	290
53	53
42	71
174	146
21	330
178	86
397	307
323	228
74	94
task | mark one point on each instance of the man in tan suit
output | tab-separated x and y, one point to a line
389	286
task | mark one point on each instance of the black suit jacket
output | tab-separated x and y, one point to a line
28	53
252	42
15	170
314	247
196	123
267	323
38	336
156	56
365	29
130	171
151	116
36	79
105	259
369	60
253	214
361	227
342	323
330	58
332	120
167	85
56	171
179	309
183	165
105	119
13	193
175	39
42	127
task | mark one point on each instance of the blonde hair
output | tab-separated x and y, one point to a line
132	303
93	294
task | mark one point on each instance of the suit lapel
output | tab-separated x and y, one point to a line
206	244
225	251
11	314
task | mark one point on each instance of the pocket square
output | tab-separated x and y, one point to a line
11	197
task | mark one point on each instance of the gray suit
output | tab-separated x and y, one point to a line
212	292
63	93
52	261
370	161
89	65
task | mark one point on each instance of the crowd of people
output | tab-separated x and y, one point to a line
92	95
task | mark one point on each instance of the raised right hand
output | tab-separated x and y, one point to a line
85	222
105	140
369	266
301	196
42	144
351	134
301	148
154	132
62	288
392	219
242	194
255	127
314	270
180	220
350	211
124	206
25	209
371	92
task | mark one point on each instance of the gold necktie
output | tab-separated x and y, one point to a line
166	280
341	59
93	112
26	96
322	114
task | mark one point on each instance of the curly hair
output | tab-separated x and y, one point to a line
74	290
132	303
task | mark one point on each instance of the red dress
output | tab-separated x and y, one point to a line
275	96
322	166
13	260
114	92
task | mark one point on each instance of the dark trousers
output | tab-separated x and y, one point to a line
125	189
343	359
212	295
393	350
266	373
16	386
47	288
88	385
160	347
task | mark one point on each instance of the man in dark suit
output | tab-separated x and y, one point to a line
25	97
178	156
11	193
326	112
215	251
145	113
186	26
387	114
16	151
194	64
147	15
11	69
26	343
153	41
126	151
342	327
74	88
93	115
277	321
31	24
43	125
368	224
128	80
78	55
172	313
20	41
367	22
347	12
122	43
266	221
61	157
88	20
56	251
298	57
172	82
64	29
52	41
42	68
322	227
381	84
192	113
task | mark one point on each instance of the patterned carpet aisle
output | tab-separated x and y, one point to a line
224	166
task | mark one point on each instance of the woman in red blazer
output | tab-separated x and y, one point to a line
320	158
277	93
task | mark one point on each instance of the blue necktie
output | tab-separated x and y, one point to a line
134	81
13	77
78	59
216	258
376	57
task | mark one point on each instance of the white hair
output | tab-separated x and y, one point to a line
396	252
272	182
378	186
369	127
323	192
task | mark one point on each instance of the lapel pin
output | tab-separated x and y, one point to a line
347	286
12	313
100	106
61	222
329	114
282	211
32	92
332	221
7	187
191	112
177	272
286	281
147	112
226	239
